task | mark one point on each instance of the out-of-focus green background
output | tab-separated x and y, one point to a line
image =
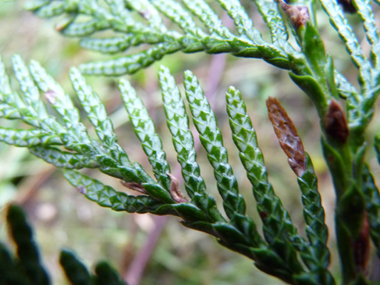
63	218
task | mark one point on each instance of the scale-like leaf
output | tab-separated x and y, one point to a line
277	226
178	124
273	19
29	89
366	15
175	12
208	17
63	159
372	205
339	21
211	138
108	197
95	109
144	128
28	138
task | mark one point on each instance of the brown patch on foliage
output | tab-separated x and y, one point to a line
298	15
134	186
287	135
174	190
335	122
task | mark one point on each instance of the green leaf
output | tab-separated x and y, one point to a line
175	12
28	138
272	17
211	138
336	166
51	9
108	197
277	226
366	15
106	275
313	89
95	109
75	270
83	29
9	271
112	45
149	12
237	13
5	87
144	128
54	93
339	22
63	159
31	95
178	124
345	88
316	229
270	263
314	50
27	251
209	18
275	218
372	205
130	64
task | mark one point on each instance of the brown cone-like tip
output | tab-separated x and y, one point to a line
335	122
287	135
298	15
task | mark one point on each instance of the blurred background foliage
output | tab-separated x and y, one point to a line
63	218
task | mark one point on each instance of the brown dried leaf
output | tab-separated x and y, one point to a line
134	186
298	15
174	190
287	135
335	122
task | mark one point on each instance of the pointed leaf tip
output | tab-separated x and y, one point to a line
298	15
335	123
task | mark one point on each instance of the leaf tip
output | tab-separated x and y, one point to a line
175	192
335	123
298	15
82	189
288	138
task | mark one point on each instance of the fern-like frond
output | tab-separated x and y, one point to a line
69	146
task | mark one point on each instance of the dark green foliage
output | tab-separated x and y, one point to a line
75	270
28	256
106	275
26	269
